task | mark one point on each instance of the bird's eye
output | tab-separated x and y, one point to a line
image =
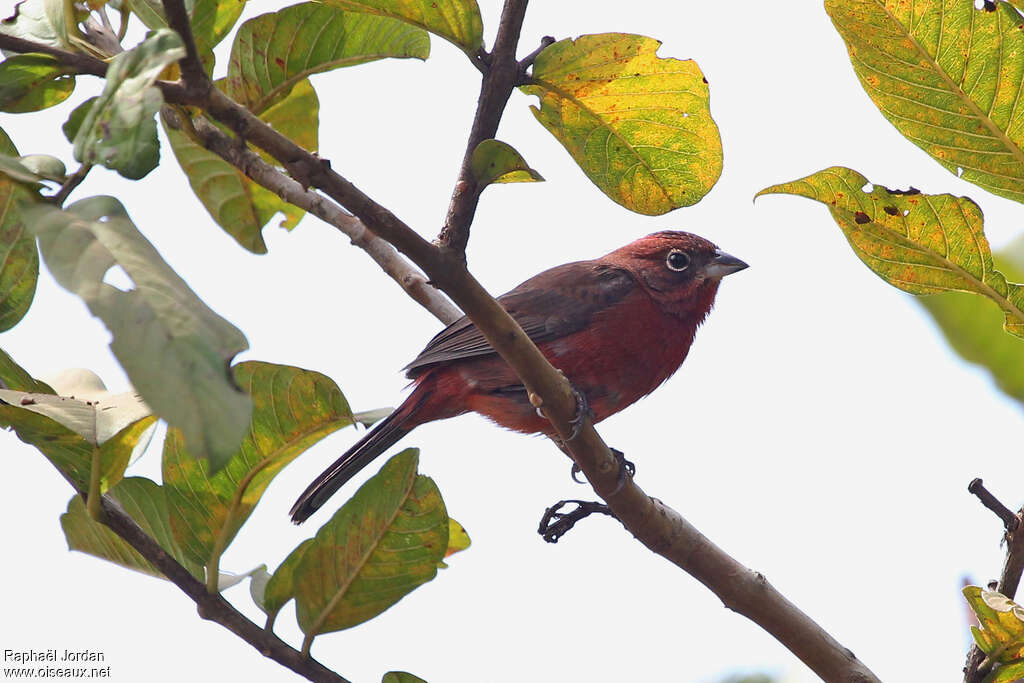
677	260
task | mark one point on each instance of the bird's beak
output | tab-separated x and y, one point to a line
723	264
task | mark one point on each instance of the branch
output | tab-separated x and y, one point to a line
73	181
656	525
391	262
212	606
500	77
192	72
978	666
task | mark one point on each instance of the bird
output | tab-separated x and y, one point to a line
617	327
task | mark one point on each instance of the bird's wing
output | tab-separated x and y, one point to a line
550	305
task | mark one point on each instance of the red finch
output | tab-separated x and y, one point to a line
617	327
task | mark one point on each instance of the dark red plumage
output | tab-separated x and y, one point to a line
617	327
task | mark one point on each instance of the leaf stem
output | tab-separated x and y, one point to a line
73	181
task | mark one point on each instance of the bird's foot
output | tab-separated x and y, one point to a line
626	470
576	422
555	524
582	413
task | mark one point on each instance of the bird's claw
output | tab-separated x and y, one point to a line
582	413
626	470
555	524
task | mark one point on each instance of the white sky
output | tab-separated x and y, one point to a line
820	431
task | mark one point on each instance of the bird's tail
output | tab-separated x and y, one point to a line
383	436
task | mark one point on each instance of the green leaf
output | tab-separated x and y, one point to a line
238	205
144	501
1001	636
16	169
280	587
971	326
212	20
920	243
72	454
949	77
638	125
13	376
41	21
275	51
401	677
119	130
19	258
457	21
74	122
292	410
497	162
384	542
369	417
174	349
32	82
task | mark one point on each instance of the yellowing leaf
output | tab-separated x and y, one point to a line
280	588
949	77
920	243
638	125
1001	635
32	82
238	205
292	409
19	271
273	52
458	539
144	501
497	162
384	542
457	21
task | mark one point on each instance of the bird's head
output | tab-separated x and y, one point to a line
679	269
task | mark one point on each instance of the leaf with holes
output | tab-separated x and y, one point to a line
144	502
275	51
32	82
383	543
238	205
497	162
292	410
457	21
19	257
174	349
971	326
920	243
949	77
638	125
119	130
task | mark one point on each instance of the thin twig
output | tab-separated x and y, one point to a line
499	79
192	72
978	665
527	61
73	181
1010	521
212	606
391	262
